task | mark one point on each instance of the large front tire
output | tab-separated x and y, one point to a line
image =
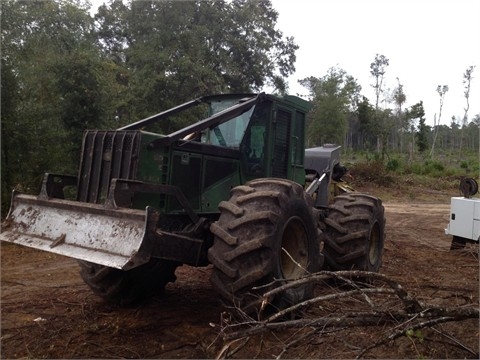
128	287
266	234
354	235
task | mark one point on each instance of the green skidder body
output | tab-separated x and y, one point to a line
235	188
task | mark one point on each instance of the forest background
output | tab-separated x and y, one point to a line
64	70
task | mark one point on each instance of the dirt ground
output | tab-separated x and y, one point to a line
48	312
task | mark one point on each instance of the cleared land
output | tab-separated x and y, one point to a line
48	312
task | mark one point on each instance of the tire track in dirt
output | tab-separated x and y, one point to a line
414	221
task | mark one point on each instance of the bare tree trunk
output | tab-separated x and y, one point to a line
441	91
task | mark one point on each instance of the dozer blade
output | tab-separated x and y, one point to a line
116	238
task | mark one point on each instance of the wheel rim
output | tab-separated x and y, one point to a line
373	244
294	252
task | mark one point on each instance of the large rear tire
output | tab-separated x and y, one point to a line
266	234
355	233
128	287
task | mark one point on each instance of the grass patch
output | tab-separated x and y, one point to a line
423	180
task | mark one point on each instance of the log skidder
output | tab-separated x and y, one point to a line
354	234
265	236
226	190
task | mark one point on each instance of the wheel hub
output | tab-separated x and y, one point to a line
374	244
294	251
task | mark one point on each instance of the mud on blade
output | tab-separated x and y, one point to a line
112	237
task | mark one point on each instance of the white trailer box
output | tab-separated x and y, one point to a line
464	218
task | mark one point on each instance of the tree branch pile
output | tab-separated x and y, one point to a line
346	299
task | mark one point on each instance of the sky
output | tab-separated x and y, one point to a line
428	43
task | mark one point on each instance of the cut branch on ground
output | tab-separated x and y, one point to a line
363	299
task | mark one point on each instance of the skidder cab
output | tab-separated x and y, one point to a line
236	188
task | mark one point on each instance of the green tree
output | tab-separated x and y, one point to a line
467	80
334	97
366	118
399	99
422	138
48	58
377	71
64	71
176	50
79	83
417	112
9	101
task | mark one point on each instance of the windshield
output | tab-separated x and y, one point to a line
230	133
